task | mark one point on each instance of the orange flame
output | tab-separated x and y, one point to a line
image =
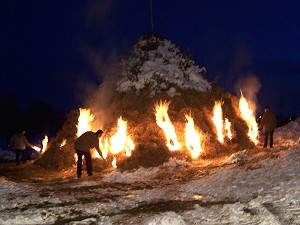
218	120
228	128
120	140
164	122
247	115
36	148
44	143
84	121
192	137
104	146
63	143
223	127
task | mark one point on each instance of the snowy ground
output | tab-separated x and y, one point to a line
254	186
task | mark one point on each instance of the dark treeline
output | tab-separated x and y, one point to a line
38	119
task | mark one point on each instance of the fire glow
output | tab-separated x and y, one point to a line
247	115
164	122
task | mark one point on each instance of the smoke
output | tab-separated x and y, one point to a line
96	11
96	87
245	81
249	86
99	99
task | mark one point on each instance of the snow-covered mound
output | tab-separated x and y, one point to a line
158	65
288	134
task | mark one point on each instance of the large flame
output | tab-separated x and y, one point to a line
164	122
218	120
120	140
223	127
84	121
85	124
247	115
192	137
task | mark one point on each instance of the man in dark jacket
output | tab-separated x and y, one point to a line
268	125
83	146
19	142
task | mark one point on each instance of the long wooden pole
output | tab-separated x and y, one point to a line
151	16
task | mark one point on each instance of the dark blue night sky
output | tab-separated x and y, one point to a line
45	44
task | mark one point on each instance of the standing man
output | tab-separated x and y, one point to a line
268	125
83	146
19	142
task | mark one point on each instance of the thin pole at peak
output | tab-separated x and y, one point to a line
151	16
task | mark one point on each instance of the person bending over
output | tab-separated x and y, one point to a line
83	146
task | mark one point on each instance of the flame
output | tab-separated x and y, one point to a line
218	120
164	122
223	127
247	115
114	163
228	128
192	137
63	143
36	148
44	143
84	121
120	140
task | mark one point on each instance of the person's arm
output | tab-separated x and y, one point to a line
96	145
262	122
27	143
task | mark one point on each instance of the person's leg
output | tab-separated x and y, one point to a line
266	139
23	156
79	162
88	163
17	157
271	139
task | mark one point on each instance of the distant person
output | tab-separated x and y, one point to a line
19	142
268	125
83	146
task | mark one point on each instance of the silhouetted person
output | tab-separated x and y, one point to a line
83	146
19	142
268	125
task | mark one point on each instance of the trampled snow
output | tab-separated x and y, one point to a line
245	188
